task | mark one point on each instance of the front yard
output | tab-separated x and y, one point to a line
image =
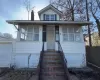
31	75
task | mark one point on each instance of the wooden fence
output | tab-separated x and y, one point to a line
93	55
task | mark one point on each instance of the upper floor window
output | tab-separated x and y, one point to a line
50	17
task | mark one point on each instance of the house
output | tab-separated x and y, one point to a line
5	37
94	38
48	33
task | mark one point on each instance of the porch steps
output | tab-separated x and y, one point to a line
52	68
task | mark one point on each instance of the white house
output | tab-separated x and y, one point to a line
50	30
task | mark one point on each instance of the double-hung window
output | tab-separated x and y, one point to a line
30	33
71	34
77	34
23	34
50	17
36	34
47	17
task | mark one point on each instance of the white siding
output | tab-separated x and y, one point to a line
22	49
21	60
21	52
74	51
5	54
49	12
56	46
28	47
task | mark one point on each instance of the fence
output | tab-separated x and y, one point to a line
93	55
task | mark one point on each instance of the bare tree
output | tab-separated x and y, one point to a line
95	10
70	8
27	5
98	3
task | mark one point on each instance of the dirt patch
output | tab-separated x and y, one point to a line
32	75
18	75
84	74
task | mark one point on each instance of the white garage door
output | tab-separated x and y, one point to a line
5	54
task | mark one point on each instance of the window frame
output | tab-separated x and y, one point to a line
68	33
50	17
32	34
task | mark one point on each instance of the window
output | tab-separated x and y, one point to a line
50	17
36	34
57	33
23	34
71	34
47	17
30	34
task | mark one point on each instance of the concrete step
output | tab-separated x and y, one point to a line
51	63
53	74
53	77
51	55
52	66
51	58
56	61
52	69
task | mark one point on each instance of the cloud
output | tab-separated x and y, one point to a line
15	10
9	6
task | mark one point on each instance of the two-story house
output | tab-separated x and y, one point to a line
49	34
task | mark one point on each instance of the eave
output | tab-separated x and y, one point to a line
38	22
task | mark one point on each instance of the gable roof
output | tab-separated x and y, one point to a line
49	7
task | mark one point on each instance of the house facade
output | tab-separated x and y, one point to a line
50	29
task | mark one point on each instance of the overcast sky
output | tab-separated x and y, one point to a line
15	10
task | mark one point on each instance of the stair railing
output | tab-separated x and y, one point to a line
64	61
40	63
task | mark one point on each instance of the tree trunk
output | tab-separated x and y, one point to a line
98	26
72	14
89	32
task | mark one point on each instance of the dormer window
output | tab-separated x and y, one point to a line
50	17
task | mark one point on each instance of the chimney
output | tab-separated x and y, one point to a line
32	15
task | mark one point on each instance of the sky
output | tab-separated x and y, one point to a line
15	10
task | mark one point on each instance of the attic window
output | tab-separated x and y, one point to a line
50	17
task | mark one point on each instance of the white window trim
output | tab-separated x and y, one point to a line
31	33
71	33
49	16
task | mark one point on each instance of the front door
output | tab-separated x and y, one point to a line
50	37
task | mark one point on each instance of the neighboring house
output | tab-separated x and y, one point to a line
5	37
50	30
94	38
5	49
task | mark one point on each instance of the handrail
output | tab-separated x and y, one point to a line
40	63
64	61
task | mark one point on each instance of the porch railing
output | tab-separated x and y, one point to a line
40	63
64	61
